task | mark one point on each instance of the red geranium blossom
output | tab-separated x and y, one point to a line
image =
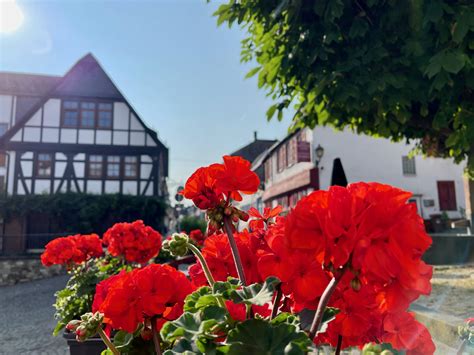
70	250
208	186
219	258
135	241
259	220
197	236
154	292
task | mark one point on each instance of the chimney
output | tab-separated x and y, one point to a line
255	135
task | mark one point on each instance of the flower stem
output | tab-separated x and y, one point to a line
339	345
276	303
156	338
205	267
323	302
207	271
235	250
107	341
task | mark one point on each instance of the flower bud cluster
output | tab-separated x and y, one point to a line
87	326
218	214
177	244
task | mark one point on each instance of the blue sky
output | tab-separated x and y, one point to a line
179	70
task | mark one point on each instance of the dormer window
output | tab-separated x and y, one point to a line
87	114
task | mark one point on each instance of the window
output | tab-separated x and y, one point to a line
3	128
113	166
44	163
130	167
447	196
70	113
87	114
105	115
408	165
96	163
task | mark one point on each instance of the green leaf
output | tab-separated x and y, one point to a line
271	111
199	299
453	61
252	72
122	339
225	288
258	294
256	336
463	24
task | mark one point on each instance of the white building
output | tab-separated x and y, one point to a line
75	133
292	170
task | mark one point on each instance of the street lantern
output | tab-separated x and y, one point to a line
319	152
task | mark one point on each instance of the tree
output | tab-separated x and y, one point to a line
400	69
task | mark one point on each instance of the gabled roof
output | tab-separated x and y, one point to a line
85	78
252	150
27	84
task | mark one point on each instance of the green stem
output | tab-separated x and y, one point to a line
207	271
339	345
235	250
205	267
107	341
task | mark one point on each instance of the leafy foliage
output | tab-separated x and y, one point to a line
85	213
190	223
76	298
396	69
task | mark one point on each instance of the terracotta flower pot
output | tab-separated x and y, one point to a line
92	346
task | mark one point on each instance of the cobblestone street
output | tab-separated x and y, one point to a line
26	318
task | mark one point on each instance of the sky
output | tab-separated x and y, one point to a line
179	71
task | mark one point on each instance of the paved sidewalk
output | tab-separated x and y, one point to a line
26	318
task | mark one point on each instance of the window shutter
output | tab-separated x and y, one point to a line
304	151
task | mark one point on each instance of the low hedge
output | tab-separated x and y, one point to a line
85	213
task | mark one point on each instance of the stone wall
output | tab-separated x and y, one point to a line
17	270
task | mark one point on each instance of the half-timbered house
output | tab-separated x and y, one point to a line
75	133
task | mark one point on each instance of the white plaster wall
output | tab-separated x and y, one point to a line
51	135
59	169
103	137
94	186
145	171
86	136
42	186
68	135
27	168
135	123
112	187
35	120
79	169
5	108
129	187
11	164
52	112
137	138
32	134
366	158
121	113
120	138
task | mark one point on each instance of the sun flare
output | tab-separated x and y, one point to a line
11	16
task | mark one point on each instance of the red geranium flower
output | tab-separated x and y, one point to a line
259	220
201	187
154	292
236	177
208	186
70	250
197	236
135	241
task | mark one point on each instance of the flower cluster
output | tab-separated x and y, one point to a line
71	250
155	293
371	241
135	241
217	252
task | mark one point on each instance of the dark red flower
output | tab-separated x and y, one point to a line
197	236
135	242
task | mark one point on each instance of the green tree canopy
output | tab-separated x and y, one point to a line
401	69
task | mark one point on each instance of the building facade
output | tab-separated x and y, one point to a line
293	169
75	133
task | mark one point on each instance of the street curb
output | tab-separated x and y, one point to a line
443	327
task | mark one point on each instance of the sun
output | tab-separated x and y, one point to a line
11	16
